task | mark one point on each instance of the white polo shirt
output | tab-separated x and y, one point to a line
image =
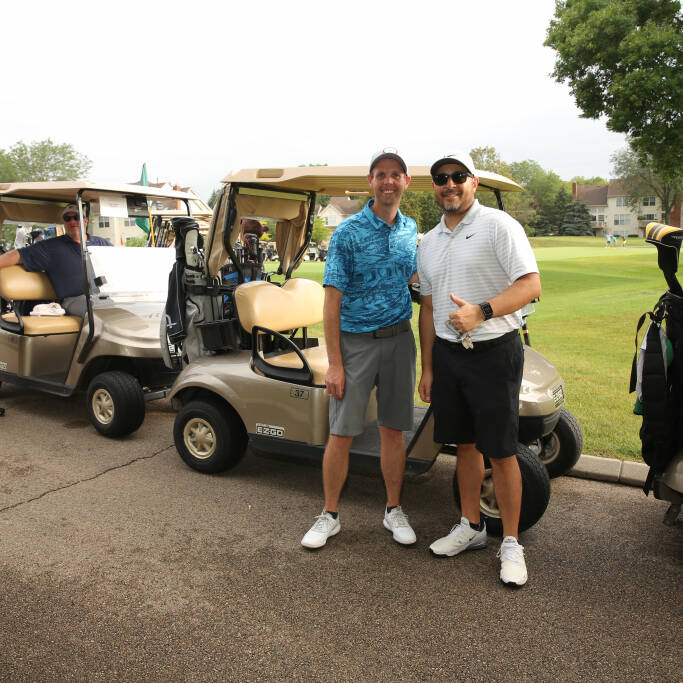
485	253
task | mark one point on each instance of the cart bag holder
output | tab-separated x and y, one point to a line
658	373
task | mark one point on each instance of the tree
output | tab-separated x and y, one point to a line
43	160
540	189
638	179
7	172
487	159
214	197
541	185
577	220
595	180
622	60
422	207
539	225
320	231
557	211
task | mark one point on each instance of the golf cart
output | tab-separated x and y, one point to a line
253	373
113	352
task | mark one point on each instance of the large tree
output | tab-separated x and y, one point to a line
42	160
639	179
577	220
541	186
557	211
423	208
622	60
487	159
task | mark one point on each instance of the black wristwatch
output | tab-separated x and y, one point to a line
486	310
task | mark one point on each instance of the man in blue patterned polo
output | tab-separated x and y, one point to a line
371	259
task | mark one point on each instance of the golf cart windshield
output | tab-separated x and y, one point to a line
132	274
287	196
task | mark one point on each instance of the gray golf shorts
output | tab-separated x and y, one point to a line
387	363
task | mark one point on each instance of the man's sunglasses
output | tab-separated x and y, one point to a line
70	217
458	177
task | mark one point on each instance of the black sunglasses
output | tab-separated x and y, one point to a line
70	217
458	177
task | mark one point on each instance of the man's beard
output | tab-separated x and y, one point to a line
453	206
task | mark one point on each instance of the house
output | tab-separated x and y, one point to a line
611	213
339	209
119	230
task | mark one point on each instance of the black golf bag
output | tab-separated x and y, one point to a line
657	373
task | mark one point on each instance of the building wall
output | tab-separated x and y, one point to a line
618	218
116	230
332	216
622	220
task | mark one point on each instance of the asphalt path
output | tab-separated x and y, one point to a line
119	563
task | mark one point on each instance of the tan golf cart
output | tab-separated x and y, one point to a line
255	374
113	352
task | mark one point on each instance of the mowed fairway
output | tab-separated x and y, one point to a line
585	325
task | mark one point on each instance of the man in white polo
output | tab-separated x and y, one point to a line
476	270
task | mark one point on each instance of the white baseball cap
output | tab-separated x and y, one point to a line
71	208
457	157
388	153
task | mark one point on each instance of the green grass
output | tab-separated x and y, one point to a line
585	325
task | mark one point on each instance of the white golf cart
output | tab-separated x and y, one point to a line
113	352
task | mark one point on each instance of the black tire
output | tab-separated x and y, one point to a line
535	493
116	404
209	437
561	449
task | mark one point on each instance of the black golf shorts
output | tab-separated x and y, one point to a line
475	395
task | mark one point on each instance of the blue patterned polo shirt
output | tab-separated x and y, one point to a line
370	263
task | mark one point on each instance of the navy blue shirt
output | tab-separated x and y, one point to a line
60	258
370	263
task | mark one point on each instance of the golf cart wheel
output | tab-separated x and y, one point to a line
561	449
535	493
116	404
209	437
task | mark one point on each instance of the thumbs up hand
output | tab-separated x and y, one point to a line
467	316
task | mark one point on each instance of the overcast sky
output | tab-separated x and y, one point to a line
196	89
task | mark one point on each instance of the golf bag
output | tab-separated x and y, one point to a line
657	373
187	301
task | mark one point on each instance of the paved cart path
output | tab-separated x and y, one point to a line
119	563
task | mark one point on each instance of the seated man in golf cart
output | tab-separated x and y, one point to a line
60	258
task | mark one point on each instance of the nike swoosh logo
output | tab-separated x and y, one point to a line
468	236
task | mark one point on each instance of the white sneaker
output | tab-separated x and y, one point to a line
396	521
461	537
325	526
512	565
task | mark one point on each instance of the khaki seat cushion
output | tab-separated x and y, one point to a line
316	357
298	303
17	284
35	325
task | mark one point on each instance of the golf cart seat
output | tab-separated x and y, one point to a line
266	310
17	284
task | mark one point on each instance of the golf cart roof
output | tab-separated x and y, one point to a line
344	180
67	191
